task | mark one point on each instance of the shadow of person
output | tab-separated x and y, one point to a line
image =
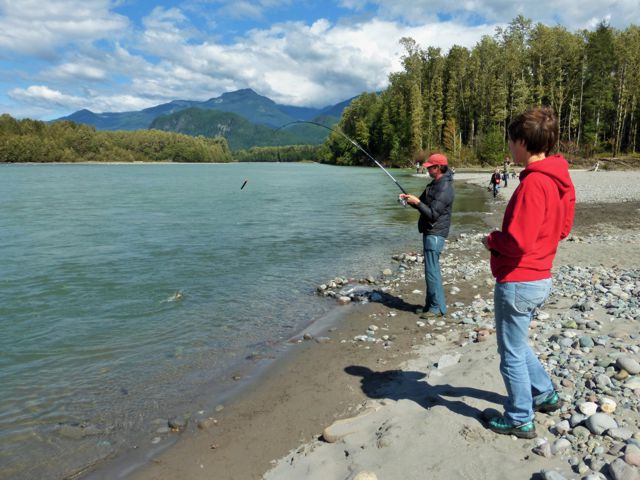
399	385
394	302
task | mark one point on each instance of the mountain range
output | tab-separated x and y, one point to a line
243	117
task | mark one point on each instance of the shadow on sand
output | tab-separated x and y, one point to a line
398	385
394	302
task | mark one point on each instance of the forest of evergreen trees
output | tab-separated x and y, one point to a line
462	102
36	141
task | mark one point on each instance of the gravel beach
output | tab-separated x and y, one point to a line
384	395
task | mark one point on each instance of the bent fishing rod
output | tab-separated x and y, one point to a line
353	142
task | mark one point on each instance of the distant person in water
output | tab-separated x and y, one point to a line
539	215
435	205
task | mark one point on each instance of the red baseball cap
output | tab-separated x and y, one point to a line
436	159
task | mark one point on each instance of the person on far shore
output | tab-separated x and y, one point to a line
495	182
435	205
539	214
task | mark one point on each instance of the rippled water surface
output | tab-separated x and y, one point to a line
127	292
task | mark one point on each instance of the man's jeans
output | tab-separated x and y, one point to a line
433	246
523	374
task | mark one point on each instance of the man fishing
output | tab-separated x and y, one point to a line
435	205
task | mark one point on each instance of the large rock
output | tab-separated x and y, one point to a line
629	364
598	423
619	470
346	426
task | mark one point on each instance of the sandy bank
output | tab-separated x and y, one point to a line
591	187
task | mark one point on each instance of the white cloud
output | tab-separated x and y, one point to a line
43	96
36	27
572	14
75	71
294	63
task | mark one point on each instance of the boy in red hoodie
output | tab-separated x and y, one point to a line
539	215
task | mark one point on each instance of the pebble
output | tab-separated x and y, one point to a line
365	475
552	475
177	423
607	405
588	408
560	445
544	450
448	360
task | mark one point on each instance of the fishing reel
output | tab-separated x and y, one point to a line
402	202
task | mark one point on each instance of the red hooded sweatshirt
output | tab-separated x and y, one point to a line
539	215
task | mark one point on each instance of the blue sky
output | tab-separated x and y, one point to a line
59	56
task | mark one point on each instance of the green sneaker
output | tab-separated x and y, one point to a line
549	404
504	427
429	315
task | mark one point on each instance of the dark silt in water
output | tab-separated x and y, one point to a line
130	292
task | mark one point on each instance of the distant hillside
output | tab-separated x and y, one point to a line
256	109
239	132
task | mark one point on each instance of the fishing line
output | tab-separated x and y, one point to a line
354	143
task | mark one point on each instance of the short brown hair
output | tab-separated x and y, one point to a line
538	128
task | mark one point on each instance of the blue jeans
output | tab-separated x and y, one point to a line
433	246
523	374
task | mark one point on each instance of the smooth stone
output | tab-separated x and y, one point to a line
552	475
621	375
346	426
562	427
581	433
365	475
629	364
544	450
620	470
632	455
586	342
582	468
608	405
560	446
576	419
603	380
588	408
620	433
632	383
176	423
598	423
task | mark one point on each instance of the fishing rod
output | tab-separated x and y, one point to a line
353	142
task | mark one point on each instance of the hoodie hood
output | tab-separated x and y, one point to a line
554	167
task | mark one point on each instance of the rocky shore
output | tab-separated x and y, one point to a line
397	397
